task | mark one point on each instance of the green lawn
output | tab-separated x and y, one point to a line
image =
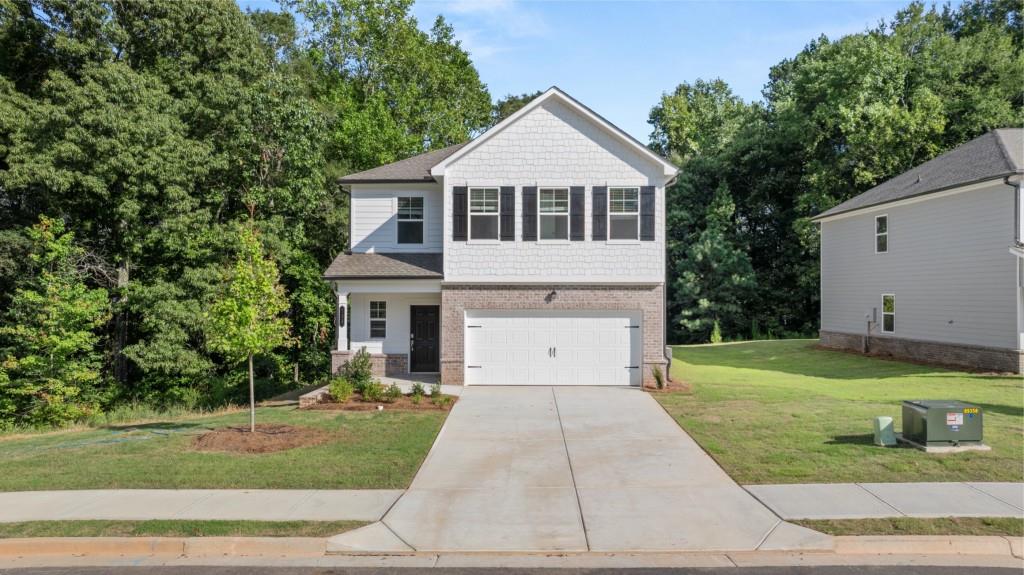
176	528
1007	526
370	450
785	412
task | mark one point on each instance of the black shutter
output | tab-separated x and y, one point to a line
460	213
599	220
577	213
647	213
530	213
507	210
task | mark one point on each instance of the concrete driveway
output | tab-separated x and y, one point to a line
574	469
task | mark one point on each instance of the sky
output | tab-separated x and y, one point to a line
619	57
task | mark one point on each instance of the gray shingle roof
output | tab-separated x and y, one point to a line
409	170
993	155
386	266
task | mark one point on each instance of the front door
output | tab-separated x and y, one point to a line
424	336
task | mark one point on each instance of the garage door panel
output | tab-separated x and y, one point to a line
552	348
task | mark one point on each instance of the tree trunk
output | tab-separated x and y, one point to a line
252	399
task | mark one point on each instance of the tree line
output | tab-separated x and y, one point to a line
149	149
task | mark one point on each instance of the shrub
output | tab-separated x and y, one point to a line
435	390
373	391
659	378
416	399
442	401
716	333
392	393
358	369
341	389
418	390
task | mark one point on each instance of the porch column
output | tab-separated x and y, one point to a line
340	320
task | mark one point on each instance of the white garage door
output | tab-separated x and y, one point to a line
553	348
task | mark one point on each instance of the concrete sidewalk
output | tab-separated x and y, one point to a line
871	500
201	504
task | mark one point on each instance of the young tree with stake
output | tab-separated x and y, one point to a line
247	320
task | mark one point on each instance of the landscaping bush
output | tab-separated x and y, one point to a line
392	393
341	389
435	390
417	390
358	370
659	377
373	391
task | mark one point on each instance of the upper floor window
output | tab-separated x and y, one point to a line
483	213
553	212
881	234
623	213
378	319
410	220
888	313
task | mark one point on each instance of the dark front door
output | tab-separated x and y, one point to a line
424	338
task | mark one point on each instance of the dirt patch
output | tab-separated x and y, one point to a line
404	403
671	386
268	438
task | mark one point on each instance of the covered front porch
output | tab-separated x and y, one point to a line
389	304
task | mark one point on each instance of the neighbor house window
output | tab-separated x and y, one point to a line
881	234
888	313
623	213
410	220
483	213
553	213
378	319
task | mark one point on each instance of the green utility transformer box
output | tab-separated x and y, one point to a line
934	423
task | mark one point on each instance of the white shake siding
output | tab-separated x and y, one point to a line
948	264
553	145
375	212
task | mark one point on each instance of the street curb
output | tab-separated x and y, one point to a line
304	547
928	545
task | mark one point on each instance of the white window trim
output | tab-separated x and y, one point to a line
881	323
567	214
608	216
469	215
423	220
886	233
370	319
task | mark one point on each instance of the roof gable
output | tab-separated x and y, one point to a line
668	168
995	154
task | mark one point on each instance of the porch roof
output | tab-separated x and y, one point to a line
386	266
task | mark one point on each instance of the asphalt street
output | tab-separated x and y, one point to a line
249	570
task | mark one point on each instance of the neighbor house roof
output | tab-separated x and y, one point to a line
386	266
996	154
410	170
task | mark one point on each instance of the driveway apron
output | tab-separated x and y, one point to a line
572	469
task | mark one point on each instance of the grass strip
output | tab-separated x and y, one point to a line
176	528
1005	526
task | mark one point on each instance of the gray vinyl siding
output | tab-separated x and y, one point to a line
948	264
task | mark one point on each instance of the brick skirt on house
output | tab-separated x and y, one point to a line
972	357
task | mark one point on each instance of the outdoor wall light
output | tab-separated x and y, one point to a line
551	296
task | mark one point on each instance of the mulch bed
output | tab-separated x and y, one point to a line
268	438
671	386
404	403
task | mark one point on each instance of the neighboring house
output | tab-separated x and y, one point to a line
929	265
531	255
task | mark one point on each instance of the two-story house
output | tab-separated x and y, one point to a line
930	264
532	255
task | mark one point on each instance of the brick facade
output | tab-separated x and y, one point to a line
455	299
947	354
381	364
